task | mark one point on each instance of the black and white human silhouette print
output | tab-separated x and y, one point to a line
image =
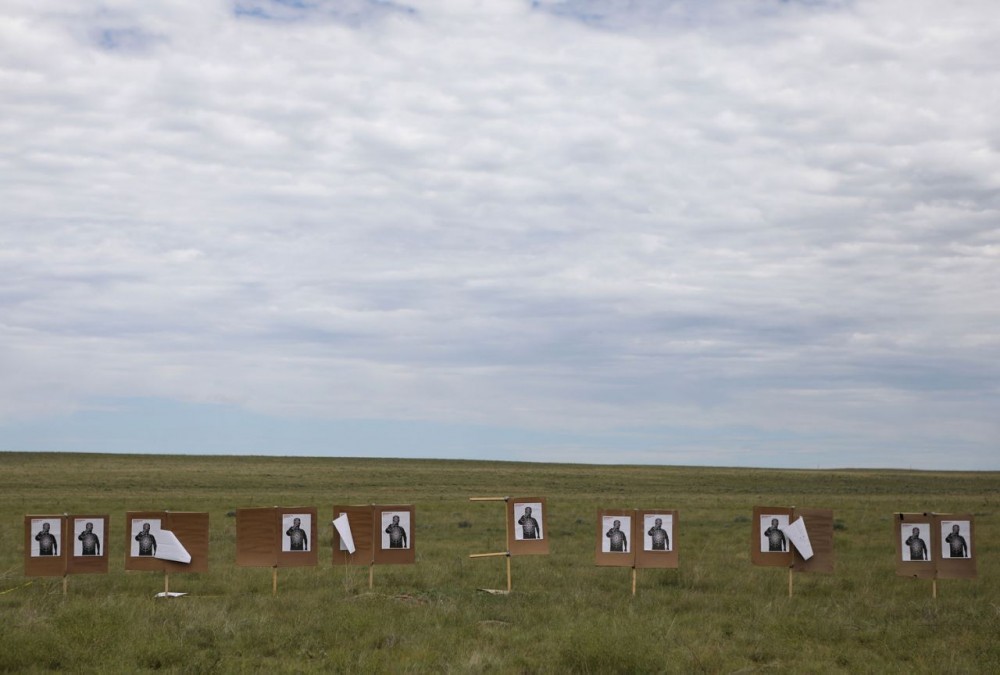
528	518
915	539
46	539
395	529
144	533
297	528
659	530
955	539
616	532
89	535
772	533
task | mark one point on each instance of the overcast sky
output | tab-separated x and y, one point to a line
733	232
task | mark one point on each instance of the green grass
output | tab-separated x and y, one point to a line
717	613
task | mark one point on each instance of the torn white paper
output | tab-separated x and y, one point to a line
170	547
797	534
344	529
170	594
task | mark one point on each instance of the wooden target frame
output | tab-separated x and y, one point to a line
67	560
190	528
515	509
819	527
637	555
938	563
260	539
366	523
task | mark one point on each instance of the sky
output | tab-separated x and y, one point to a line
678	232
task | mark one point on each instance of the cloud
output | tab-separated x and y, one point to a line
351	12
564	217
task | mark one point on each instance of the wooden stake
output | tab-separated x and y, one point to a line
934	588
506	524
166	584
65	574
371	576
274	581
506	521
791	575
633	581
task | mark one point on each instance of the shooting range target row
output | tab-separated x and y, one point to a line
928	545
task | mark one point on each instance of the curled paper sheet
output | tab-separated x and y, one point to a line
344	529
170	594
169	547
796	532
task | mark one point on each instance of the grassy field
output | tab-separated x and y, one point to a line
717	613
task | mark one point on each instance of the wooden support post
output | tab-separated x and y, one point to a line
499	553
166	584
274	580
65	574
934	588
371	576
633	581
791	576
506	522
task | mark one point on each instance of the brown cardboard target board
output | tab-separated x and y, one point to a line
360	519
819	525
935	545
637	538
914	550
276	537
394	544
776	527
45	546
151	535
257	537
527	527
656	538
769	547
383	535
87	549
955	534
615	542
65	544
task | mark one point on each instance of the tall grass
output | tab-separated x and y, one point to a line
717	613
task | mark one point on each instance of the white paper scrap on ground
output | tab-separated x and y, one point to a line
169	547
170	594
344	528
796	532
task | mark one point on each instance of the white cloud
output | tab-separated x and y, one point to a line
557	215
